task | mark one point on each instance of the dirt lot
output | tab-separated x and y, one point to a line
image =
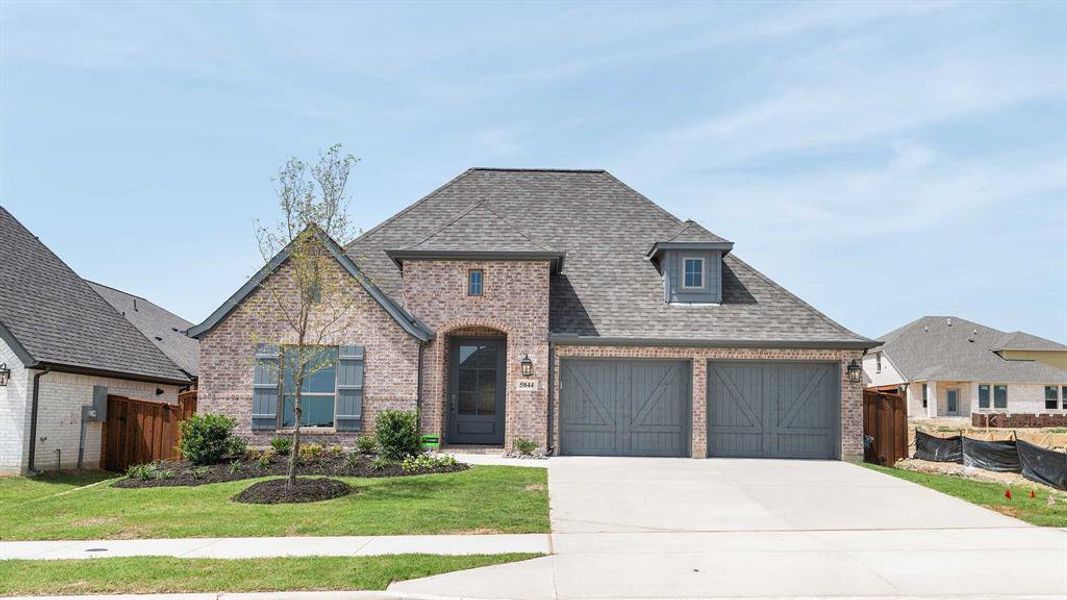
1050	437
1012	479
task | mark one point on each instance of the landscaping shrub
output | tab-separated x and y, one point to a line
143	472
397	432
207	438
282	445
308	451
525	447
367	444
425	462
380	463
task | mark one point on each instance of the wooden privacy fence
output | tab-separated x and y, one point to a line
885	428
141	431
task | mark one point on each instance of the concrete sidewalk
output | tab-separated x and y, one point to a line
259	547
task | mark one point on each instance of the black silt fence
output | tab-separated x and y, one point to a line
933	448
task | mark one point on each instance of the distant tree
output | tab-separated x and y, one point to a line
314	201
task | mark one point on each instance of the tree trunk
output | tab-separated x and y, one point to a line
294	456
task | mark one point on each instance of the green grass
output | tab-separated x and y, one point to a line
163	574
1035	511
23	489
484	499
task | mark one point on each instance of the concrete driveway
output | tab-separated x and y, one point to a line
681	528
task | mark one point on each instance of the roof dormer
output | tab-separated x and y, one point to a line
690	262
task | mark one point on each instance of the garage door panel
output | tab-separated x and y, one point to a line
642	407
772	409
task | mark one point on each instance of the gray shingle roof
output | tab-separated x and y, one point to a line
163	328
479	229
931	349
691	231
1019	340
608	289
57	319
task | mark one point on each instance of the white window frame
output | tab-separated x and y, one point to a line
703	273
877	362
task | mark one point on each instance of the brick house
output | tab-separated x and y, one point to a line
556	306
65	344
946	366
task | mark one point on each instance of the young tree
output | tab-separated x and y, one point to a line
307	291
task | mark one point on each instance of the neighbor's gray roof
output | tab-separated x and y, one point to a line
163	328
51	317
929	349
1018	340
608	289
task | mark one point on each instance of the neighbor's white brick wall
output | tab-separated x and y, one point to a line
889	374
59	415
14	414
1022	398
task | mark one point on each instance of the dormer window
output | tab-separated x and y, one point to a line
474	282
693	273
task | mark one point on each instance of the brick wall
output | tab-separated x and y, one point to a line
14	414
514	303
227	352
1002	419
60	398
851	393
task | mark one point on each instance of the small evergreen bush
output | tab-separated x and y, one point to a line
207	438
282	445
397	432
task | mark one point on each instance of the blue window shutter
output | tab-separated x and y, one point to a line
265	388
349	415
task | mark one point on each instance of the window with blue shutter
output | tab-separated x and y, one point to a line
265	388
350	388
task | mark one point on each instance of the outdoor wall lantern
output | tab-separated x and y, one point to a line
855	372
527	366
5	374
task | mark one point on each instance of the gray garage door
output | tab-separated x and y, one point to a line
773	409
624	407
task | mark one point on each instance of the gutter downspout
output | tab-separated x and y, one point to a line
549	447
33	416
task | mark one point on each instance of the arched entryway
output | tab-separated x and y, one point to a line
476	377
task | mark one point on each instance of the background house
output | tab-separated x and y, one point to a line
952	367
64	348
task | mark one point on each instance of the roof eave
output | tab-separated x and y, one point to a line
83	370
16	346
399	256
659	247
580	340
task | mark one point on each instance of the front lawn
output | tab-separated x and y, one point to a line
1035	511
150	575
484	499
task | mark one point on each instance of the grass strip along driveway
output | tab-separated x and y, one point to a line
161	575
484	499
1035	511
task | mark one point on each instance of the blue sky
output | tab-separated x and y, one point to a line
883	161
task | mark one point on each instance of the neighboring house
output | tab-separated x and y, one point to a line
560	307
952	367
63	346
163	328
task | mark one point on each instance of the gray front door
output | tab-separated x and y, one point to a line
476	391
762	409
952	399
624	407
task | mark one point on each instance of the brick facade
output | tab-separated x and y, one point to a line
514	304
851	393
227	352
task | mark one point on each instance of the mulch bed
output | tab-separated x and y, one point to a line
276	491
185	474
